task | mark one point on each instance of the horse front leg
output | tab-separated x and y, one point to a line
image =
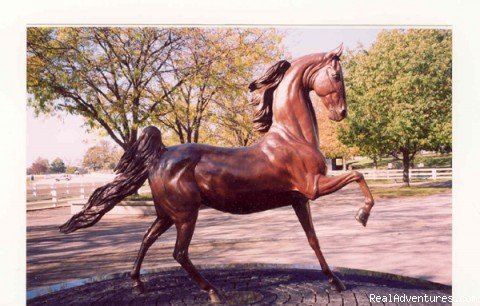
328	184
304	215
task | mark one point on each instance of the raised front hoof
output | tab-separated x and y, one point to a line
139	288
215	297
362	216
336	284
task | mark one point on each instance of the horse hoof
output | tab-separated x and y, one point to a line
215	297
362	216
139	288
336	284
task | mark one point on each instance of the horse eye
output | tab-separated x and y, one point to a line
336	76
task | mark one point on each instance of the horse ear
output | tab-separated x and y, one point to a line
336	53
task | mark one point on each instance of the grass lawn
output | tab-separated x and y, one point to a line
381	182
395	192
140	197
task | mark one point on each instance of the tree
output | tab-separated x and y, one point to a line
120	79
399	93
233	123
101	157
216	66
57	166
105	75
71	170
39	166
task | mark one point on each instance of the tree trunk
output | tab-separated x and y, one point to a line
179	131
344	164
196	134
406	167
132	140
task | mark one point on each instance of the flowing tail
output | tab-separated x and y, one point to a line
132	171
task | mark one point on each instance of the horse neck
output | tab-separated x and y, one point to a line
293	111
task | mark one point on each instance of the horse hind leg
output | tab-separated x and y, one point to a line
159	226
185	229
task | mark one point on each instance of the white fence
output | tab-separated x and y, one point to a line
397	174
61	190
53	192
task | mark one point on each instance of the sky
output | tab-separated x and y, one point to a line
63	135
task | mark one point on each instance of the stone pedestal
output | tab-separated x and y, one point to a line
247	284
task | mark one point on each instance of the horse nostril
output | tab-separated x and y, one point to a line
343	113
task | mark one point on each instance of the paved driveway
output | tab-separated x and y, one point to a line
408	236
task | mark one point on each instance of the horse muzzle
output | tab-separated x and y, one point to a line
337	115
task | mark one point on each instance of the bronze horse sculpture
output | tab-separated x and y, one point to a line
285	167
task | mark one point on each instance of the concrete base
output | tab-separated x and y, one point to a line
122	208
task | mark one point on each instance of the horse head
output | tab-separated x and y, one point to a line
327	82
320	72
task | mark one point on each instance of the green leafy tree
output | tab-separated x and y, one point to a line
105	75
57	166
233	124
216	66
121	79
399	93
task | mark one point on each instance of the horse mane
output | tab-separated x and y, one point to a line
262	95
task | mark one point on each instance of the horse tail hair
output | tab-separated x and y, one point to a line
132	170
